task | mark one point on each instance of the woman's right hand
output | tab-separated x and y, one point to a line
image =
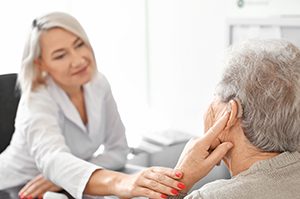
153	182
37	187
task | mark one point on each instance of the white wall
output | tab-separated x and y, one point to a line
263	8
187	39
186	42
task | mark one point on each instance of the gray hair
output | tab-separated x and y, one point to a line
29	75
265	76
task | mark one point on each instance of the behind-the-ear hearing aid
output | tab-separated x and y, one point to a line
234	114
239	107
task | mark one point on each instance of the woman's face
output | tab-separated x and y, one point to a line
66	58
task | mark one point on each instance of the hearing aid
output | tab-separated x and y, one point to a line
239	111
239	107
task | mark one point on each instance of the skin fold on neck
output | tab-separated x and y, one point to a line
243	155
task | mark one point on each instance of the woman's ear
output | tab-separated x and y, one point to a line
38	63
233	108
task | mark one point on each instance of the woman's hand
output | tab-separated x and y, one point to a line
200	156
153	182
37	187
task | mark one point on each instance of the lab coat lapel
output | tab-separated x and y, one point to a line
65	104
93	108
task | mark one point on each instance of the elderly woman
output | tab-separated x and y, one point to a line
261	87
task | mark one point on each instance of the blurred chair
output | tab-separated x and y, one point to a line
9	100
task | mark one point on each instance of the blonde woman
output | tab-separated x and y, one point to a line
65	113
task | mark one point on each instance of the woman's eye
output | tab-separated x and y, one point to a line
79	44
59	57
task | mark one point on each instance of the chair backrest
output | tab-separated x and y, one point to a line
9	100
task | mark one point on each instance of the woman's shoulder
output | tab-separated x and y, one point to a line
38	100
100	80
99	83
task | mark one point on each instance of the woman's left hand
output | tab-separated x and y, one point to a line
37	187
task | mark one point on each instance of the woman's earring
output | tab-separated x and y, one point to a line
44	74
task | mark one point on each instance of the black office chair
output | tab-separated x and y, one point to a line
9	100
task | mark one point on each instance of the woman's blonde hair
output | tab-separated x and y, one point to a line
29	76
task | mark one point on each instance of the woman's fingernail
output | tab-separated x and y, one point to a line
178	174
180	185
163	196
174	191
22	196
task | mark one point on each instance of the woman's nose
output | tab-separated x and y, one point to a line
77	60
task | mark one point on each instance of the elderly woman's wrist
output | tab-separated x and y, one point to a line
187	179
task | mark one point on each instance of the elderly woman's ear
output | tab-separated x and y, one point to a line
233	107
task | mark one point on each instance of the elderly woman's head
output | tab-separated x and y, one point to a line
264	75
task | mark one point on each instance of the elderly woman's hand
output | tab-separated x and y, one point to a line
153	182
200	156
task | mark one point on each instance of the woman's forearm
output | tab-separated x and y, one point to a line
153	182
104	182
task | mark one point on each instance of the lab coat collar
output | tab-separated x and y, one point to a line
65	104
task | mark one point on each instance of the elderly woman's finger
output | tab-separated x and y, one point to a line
218	153
216	129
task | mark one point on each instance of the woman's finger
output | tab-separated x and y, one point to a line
158	187
35	189
160	177
41	189
30	183
215	130
148	193
173	173
26	189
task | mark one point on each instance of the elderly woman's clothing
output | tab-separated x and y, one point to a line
275	178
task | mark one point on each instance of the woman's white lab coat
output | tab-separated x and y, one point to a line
50	137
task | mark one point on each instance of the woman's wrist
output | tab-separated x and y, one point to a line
104	182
